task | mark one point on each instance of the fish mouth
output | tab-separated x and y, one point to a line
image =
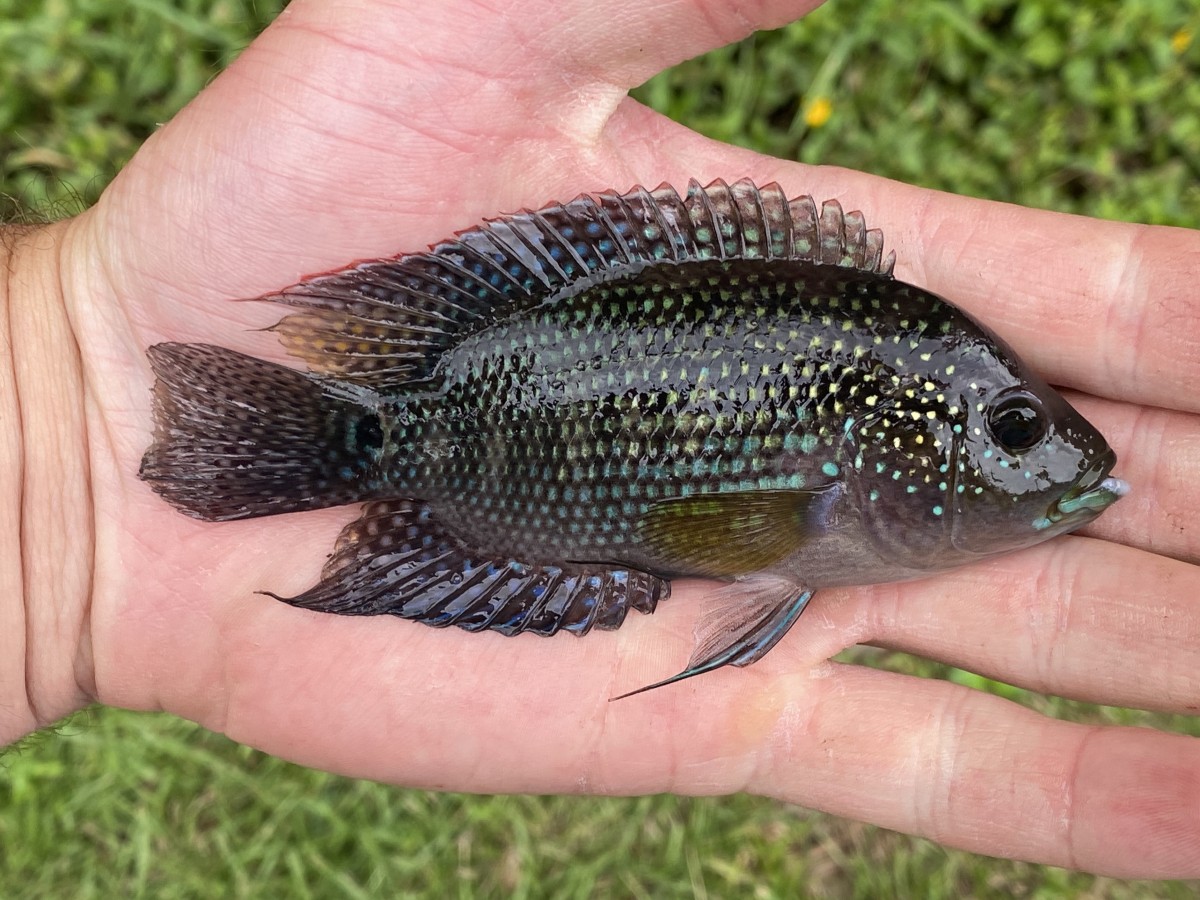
1092	493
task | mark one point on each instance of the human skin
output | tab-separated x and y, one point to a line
362	129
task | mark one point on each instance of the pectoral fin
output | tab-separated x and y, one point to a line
734	532
743	621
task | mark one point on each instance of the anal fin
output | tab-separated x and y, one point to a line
741	623
398	559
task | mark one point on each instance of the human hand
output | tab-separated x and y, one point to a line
328	141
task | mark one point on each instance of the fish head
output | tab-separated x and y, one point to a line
1027	465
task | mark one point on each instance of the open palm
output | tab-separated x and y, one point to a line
361	130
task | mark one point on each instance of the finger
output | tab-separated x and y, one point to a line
555	47
1076	617
973	771
397	702
1105	307
360	130
1159	456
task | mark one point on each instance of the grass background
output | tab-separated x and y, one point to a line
1085	108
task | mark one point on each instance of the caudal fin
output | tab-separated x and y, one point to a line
237	437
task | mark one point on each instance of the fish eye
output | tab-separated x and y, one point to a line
1018	423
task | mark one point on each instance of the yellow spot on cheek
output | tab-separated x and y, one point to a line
1181	40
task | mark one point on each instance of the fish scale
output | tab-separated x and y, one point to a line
552	415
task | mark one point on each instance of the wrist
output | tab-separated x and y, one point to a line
45	508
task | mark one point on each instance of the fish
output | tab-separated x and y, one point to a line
552	415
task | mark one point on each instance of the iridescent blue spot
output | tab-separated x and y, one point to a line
831	469
937	510
874	495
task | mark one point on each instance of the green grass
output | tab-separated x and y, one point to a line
1091	109
124	804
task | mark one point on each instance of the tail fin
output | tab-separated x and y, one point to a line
237	437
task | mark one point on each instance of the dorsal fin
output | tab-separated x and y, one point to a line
384	322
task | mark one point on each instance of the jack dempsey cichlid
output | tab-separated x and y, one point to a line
553	414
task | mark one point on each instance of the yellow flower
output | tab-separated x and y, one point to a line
818	112
1181	40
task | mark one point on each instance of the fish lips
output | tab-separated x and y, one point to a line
1093	492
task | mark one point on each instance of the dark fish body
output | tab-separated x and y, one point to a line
558	412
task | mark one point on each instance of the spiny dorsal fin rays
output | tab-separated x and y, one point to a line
384	323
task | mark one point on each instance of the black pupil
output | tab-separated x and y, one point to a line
1017	424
